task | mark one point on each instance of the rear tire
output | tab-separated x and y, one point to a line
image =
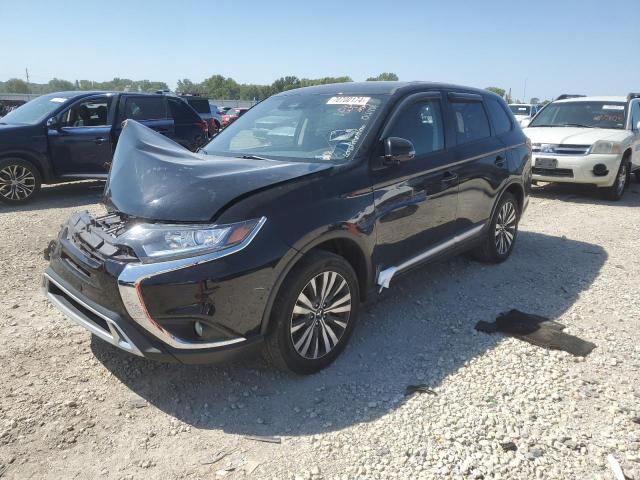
502	232
637	174
20	181
616	191
314	314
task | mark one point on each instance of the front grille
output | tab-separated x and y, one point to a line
78	307
561	149
553	172
95	237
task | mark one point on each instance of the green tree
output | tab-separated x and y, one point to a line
498	91
535	100
58	85
384	76
15	85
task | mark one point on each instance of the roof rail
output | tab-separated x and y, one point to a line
632	95
564	96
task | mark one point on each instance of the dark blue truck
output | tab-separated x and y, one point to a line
68	136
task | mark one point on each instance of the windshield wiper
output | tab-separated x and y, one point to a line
576	125
253	157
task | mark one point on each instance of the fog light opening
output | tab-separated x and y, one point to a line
600	170
197	326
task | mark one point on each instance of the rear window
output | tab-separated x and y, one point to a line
500	118
200	105
181	111
145	108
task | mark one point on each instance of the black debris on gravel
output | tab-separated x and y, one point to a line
537	330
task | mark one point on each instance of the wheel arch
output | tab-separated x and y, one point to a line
45	172
516	189
339	243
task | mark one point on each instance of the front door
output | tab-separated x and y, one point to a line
416	200
80	144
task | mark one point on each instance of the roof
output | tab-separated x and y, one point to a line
78	93
594	99
376	88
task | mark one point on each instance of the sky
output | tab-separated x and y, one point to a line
561	46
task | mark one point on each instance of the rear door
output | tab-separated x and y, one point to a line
635	128
81	143
415	201
150	110
481	159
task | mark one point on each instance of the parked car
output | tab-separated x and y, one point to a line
523	111
592	140
202	107
250	244
216	113
68	136
231	115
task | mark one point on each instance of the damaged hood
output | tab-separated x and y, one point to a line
154	178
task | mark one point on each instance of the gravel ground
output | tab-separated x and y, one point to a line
74	407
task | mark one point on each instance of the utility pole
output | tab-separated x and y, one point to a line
27	72
524	95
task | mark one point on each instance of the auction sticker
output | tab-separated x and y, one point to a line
58	100
613	107
360	101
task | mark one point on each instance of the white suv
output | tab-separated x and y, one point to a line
592	140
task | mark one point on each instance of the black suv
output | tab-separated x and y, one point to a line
68	136
274	238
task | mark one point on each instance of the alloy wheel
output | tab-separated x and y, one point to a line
505	228
16	182
320	315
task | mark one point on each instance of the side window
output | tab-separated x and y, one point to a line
500	118
145	108
421	123
92	112
181	111
471	122
635	115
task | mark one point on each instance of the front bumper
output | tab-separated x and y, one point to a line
150	310
578	169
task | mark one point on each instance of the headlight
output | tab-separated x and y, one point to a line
161	241
604	147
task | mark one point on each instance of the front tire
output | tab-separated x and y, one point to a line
314	314
616	191
19	181
502	232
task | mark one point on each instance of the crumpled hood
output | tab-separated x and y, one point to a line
154	178
573	135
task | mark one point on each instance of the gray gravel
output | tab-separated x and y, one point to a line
74	407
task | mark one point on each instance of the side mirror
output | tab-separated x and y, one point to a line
53	123
524	123
397	150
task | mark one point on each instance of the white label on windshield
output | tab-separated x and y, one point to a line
613	107
361	101
58	100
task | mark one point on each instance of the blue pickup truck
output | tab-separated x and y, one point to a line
68	136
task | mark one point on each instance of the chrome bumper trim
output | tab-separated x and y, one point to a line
115	336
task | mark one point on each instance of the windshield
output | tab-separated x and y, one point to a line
199	105
520	109
582	114
35	111
305	127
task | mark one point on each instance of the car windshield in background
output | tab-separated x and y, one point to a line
35	111
520	109
582	114
306	127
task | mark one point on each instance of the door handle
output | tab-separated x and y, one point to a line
448	178
499	161
100	140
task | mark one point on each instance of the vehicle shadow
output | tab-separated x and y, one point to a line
586	194
62	195
418	332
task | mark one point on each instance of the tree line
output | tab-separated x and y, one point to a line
216	86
